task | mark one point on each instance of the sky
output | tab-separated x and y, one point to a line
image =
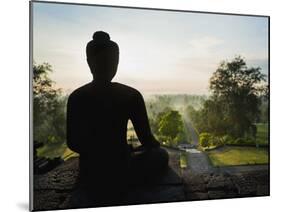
160	51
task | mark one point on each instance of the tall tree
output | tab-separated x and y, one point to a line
170	126
48	106
237	88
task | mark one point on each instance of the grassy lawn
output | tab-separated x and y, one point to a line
229	156
52	150
55	150
68	153
262	133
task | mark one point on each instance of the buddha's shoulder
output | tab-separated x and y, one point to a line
80	91
126	89
116	89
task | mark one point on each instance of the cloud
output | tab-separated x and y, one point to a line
205	43
152	86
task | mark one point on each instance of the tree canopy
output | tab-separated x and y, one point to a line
170	126
234	103
48	106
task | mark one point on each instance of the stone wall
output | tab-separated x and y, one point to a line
54	189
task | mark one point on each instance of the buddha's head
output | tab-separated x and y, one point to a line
102	57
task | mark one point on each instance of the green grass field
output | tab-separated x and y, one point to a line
56	150
230	156
52	150
68	153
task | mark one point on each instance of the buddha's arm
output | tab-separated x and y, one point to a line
140	121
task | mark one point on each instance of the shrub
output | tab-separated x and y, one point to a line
205	139
217	141
227	139
250	140
239	141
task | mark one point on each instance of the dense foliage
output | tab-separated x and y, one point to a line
171	127
167	125
238	102
48	107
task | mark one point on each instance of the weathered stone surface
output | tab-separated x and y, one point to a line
170	178
49	199
54	189
197	196
194	183
225	185
262	190
245	184
62	177
221	182
174	161
156	194
216	194
197	188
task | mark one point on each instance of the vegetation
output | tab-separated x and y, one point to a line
49	112
171	127
232	110
211	141
264	109
204	140
235	114
50	115
262	134
160	105
229	156
236	89
68	153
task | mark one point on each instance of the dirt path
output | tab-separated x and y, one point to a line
198	161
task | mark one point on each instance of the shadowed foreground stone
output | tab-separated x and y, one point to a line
225	185
53	189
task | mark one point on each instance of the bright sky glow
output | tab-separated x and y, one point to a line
160	51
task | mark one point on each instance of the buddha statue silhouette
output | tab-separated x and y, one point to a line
97	118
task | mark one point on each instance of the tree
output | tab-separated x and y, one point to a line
264	106
204	139
48	106
236	89
195	117
209	117
170	125
44	95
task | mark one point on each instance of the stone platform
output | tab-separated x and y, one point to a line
54	189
